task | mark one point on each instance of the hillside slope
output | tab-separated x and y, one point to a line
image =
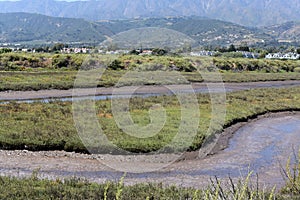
32	28
18	27
244	12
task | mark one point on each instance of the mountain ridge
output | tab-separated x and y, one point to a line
243	12
26	27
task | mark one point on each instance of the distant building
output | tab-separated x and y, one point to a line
283	56
247	54
146	52
203	53
75	50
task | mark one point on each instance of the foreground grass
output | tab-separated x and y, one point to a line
33	188
41	126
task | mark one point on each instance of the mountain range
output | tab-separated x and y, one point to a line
243	12
41	29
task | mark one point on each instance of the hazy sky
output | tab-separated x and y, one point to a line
56	0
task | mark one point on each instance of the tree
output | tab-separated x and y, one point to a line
231	48
115	65
59	61
40	49
5	50
134	52
298	50
159	52
243	48
58	47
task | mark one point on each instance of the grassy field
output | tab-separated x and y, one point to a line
22	81
21	71
50	126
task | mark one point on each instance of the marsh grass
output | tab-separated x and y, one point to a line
76	188
291	173
50	126
21	71
23	81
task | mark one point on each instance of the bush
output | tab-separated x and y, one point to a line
59	61
297	69
116	65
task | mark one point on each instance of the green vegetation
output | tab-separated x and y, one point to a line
39	126
37	62
292	175
26	71
75	188
22	81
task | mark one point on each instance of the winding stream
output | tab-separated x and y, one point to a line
261	146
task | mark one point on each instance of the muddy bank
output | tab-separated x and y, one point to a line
141	90
261	145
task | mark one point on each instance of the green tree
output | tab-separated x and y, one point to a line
231	48
221	49
115	65
59	61
159	52
243	48
134	52
263	54
5	50
57	47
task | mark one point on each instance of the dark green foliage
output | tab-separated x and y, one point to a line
59	61
116	65
134	52
5	50
243	48
159	52
57	47
231	48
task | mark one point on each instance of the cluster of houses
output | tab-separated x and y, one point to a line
75	50
283	56
203	53
245	54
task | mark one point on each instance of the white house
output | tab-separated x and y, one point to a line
283	56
